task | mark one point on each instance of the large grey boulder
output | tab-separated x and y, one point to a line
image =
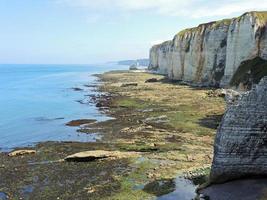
241	142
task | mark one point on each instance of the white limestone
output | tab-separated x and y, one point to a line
211	53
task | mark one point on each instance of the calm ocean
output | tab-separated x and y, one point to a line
37	100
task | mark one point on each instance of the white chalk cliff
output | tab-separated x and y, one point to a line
222	53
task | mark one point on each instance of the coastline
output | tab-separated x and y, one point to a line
173	133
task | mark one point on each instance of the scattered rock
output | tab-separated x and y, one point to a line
101	101
157	120
215	93
231	96
151	80
147	110
133	129
80	122
21	152
129	85
241	141
100	104
190	158
91	85
88	156
77	89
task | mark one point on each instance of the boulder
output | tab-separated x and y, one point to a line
151	80
240	148
88	156
77	89
80	122
21	152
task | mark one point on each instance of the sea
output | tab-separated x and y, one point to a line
36	101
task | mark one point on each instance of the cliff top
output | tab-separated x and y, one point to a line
260	15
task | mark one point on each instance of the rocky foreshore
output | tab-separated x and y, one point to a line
149	141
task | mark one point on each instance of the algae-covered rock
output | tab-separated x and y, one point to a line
80	122
241	142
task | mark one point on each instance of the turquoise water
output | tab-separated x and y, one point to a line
37	100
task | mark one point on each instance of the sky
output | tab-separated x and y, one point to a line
96	31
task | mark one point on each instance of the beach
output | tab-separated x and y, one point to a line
166	129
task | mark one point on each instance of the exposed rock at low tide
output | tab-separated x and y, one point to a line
157	120
21	152
88	156
151	80
241	141
80	122
129	85
77	89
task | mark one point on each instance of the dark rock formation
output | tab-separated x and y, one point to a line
80	122
244	189
129	85
151	80
241	142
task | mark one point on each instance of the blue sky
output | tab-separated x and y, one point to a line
92	31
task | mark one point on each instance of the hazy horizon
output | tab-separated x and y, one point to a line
89	32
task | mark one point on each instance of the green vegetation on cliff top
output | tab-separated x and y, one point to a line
211	25
260	15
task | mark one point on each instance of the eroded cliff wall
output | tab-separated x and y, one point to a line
212	53
241	141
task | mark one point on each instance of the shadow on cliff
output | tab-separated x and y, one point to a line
211	121
250	72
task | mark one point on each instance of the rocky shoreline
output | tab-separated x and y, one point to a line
171	135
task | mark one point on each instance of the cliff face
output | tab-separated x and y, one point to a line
212	53
241	141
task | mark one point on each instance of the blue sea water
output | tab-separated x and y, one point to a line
37	100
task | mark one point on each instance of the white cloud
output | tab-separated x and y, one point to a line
188	8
